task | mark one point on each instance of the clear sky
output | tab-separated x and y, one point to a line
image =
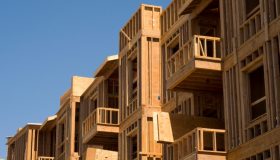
45	42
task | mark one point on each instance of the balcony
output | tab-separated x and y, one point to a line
45	158
196	65
101	124
198	144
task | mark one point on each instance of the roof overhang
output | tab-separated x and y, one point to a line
49	123
107	65
20	131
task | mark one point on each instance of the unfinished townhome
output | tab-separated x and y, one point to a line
68	120
251	76
191	124
140	84
23	145
199	80
47	139
99	114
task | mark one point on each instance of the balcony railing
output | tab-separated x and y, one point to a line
132	107
45	158
101	116
199	140
203	47
257	127
251	26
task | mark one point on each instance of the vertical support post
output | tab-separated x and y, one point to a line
214	49
205	47
97	115
195	46
214	141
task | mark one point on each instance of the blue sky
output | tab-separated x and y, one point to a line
45	42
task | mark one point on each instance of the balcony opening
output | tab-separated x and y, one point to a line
61	138
113	90
260	156
251	7
207	23
93	104
113	102
208	141
188	106
172	51
77	123
76	146
133	148
210	112
209	105
134	77
62	132
207	30
257	93
173	47
170	153
53	142
267	154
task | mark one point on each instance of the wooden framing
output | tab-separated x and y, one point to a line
47	139
197	80
139	75
99	111
24	145
251	41
192	79
203	143
67	127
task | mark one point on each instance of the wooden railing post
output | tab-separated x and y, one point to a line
214	141
195	48
97	116
214	49
205	47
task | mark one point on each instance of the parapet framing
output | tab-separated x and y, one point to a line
198	80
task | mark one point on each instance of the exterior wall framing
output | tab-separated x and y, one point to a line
208	71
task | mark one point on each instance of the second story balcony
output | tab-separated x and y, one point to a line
196	65
200	143
101	123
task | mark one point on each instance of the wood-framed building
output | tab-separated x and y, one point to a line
197	80
192	95
47	139
140	85
24	144
68	120
251	77
99	113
